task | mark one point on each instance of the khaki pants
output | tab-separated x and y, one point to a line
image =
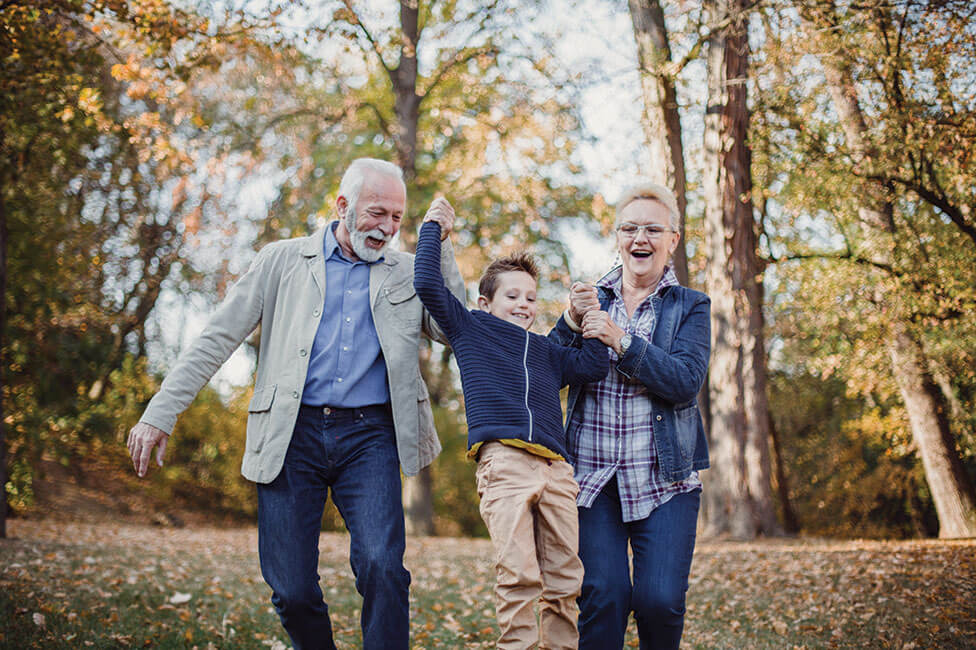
529	505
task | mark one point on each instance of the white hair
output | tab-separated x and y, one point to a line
352	180
644	189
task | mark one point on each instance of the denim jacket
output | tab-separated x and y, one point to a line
673	366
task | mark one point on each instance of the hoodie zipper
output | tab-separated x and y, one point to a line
525	366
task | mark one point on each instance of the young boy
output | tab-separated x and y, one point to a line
511	380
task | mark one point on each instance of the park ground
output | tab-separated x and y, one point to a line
68	583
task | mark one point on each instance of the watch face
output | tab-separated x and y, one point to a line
625	342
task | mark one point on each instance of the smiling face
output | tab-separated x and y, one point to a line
513	300
370	220
645	253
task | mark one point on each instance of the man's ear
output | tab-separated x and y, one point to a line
484	304
341	205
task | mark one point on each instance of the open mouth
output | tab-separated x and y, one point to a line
522	316
641	254
373	242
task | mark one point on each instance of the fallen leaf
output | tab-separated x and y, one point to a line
179	598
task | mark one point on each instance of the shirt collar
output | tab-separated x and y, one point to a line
614	279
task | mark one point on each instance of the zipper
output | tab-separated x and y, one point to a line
525	366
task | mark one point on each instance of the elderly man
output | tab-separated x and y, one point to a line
338	401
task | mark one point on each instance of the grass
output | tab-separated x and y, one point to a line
72	585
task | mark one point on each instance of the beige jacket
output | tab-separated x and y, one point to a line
284	291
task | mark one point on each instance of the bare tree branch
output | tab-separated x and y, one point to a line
460	58
373	43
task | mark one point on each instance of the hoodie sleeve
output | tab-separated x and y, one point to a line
587	363
428	281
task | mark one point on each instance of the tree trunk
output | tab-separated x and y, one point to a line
791	523
738	497
952	490
3	365
418	491
418	503
407	102
662	124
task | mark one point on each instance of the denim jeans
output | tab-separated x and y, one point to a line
663	544
353	452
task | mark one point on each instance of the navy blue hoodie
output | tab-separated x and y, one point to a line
511	377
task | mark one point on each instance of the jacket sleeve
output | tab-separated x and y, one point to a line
440	302
676	376
584	364
236	317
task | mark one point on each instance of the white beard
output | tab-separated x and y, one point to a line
357	238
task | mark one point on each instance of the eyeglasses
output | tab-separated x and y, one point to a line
631	230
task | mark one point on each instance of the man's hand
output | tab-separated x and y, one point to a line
142	438
598	325
441	212
582	299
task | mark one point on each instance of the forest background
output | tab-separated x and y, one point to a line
823	153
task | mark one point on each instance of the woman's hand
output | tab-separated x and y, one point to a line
583	298
598	325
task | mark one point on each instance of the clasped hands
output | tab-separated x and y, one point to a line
442	212
584	308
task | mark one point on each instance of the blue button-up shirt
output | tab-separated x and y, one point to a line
347	367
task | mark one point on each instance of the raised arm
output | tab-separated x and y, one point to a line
447	311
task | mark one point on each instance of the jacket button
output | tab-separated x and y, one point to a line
315	313
294	394
302	352
659	418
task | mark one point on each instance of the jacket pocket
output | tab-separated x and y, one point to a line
259	416
262	399
400	293
401	301
686	430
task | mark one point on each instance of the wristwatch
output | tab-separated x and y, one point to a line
625	342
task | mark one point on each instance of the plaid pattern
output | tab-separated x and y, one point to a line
613	426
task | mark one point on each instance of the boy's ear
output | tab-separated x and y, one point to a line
484	304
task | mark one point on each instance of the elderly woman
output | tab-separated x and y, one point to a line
636	437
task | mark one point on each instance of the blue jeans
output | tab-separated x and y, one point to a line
353	452
663	544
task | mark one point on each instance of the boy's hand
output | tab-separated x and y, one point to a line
582	299
441	212
598	325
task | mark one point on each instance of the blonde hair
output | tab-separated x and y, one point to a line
647	190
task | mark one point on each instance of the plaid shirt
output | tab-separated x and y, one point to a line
613	427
